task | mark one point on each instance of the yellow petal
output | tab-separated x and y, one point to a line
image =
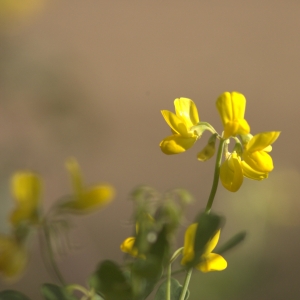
75	173
26	188
176	144
262	140
253	174
187	110
189	238
231	106
231	173
212	262
13	257
91	199
211	245
128	246
260	161
176	123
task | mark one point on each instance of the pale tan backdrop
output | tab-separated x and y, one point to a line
89	78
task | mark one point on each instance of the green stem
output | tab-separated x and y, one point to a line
51	256
168	294
216	177
186	283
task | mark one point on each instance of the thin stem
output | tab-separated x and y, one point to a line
168	294
216	177
51	256
186	283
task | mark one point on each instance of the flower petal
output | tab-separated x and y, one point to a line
176	123
231	106
176	144
253	174
260	161
91	199
75	173
189	238
238	101
212	262
262	140
186	109
211	245
231	173
128	246
13	257
26	188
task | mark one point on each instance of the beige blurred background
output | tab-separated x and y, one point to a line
89	78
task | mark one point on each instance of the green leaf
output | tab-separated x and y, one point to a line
111	282
208	225
12	295
176	289
55	292
234	241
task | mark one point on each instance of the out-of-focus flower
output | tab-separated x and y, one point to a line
26	189
208	261
231	107
13	257
12	12
86	199
181	123
128	247
255	151
231	172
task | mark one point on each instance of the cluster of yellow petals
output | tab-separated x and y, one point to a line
86	199
181	123
254	163
26	188
208	261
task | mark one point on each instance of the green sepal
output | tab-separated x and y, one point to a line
175	290
109	281
54	292
12	295
208	225
201	127
233	242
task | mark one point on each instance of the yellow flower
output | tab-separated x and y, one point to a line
209	261
255	151
26	188
231	107
128	247
231	172
183	137
13	257
86	199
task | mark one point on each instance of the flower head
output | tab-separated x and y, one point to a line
86	199
181	123
231	107
208	261
26	188
13	256
231	172
255	151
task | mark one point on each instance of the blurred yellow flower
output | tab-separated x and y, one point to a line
183	137
231	107
26	189
231	173
128	247
255	151
209	261
13	257
86	199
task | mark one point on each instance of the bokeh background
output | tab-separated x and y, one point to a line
89	78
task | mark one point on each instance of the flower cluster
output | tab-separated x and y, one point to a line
26	188
249	157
